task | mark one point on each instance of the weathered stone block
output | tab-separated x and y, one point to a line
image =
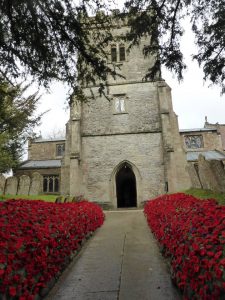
217	168
211	174
2	183
36	186
24	185
194	177
11	185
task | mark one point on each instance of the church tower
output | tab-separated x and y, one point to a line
127	150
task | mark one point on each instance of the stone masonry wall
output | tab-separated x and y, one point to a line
135	67
211	140
220	128
141	111
222	133
174	157
109	138
29	172
101	155
194	177
43	150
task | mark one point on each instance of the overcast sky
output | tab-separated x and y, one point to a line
193	99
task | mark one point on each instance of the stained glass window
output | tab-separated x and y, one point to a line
193	141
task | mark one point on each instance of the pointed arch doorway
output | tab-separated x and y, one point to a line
126	191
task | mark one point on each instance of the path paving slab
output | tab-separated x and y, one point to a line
121	262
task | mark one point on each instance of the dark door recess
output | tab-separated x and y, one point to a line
126	187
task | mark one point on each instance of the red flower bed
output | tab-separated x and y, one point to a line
37	241
191	233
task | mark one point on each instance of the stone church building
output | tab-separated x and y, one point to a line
123	151
126	150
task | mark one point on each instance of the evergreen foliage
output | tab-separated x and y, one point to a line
162	21
43	38
16	123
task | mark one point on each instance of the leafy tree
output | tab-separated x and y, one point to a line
161	20
44	37
16	122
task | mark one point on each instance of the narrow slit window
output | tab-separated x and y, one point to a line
56	184
122	53
45	184
113	54
51	185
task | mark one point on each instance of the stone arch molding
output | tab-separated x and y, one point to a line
112	182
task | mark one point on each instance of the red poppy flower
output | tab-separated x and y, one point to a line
191	232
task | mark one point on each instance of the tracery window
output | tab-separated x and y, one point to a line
194	141
50	183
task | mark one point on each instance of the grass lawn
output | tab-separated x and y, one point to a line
47	198
206	194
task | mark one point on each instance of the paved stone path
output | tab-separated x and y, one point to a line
121	262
